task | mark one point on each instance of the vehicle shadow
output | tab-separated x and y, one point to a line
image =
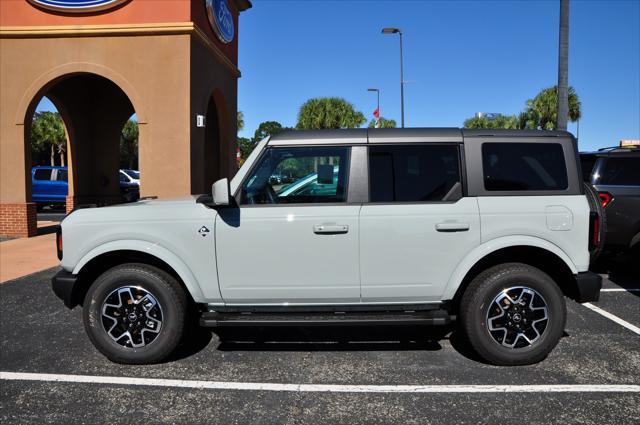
623	269
195	340
336	338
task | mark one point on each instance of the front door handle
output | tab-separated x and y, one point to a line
453	226
330	229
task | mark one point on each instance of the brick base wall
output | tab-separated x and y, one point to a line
70	204
18	220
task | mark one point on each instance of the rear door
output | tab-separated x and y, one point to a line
417	225
59	186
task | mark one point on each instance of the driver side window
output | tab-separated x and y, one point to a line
292	175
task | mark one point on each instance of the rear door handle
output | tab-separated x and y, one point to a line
330	229
452	227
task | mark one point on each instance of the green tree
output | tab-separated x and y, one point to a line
246	146
240	121
327	113
384	123
501	121
265	129
48	133
129	145
541	112
268	128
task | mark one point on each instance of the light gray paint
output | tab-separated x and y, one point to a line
356	252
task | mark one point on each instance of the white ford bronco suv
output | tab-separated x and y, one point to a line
490	229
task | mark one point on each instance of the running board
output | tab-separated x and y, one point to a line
429	317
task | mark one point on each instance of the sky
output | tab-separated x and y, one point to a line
460	57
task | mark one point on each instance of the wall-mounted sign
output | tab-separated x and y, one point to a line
76	6
221	19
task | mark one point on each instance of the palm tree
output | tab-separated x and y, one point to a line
542	111
563	68
47	131
383	123
240	121
329	112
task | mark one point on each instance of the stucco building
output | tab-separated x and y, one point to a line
100	61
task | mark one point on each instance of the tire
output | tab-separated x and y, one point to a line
154	329
596	206
487	289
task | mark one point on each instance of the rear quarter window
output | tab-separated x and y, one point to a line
42	174
524	166
620	171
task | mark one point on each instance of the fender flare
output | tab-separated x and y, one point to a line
154	250
494	245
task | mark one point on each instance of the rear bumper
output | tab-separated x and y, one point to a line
588	287
64	285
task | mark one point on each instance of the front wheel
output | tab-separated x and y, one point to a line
135	314
513	314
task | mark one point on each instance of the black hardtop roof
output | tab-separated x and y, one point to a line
373	135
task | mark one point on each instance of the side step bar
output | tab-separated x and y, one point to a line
429	317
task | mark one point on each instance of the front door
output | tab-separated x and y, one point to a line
417	226
293	239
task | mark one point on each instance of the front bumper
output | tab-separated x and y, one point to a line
588	286
65	285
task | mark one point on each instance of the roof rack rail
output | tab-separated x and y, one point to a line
625	147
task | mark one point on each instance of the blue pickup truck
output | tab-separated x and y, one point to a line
50	186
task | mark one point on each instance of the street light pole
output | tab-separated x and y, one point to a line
399	31
401	83
378	93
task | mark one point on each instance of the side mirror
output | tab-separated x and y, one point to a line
220	192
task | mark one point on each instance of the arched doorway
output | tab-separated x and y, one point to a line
207	156
94	110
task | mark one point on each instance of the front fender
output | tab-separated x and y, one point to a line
155	250
494	245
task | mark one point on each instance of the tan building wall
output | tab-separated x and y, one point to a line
97	75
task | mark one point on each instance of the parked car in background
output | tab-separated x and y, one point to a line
615	175
132	175
50	186
129	187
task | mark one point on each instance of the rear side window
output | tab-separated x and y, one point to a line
42	174
62	176
413	173
620	171
523	166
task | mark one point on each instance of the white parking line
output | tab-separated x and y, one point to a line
257	386
610	316
620	290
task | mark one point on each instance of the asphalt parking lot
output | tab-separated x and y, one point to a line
398	375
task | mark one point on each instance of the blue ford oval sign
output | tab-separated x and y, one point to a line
76	6
221	20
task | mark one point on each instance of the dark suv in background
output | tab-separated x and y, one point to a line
615	175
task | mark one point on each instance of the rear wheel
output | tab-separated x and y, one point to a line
135	314
513	314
